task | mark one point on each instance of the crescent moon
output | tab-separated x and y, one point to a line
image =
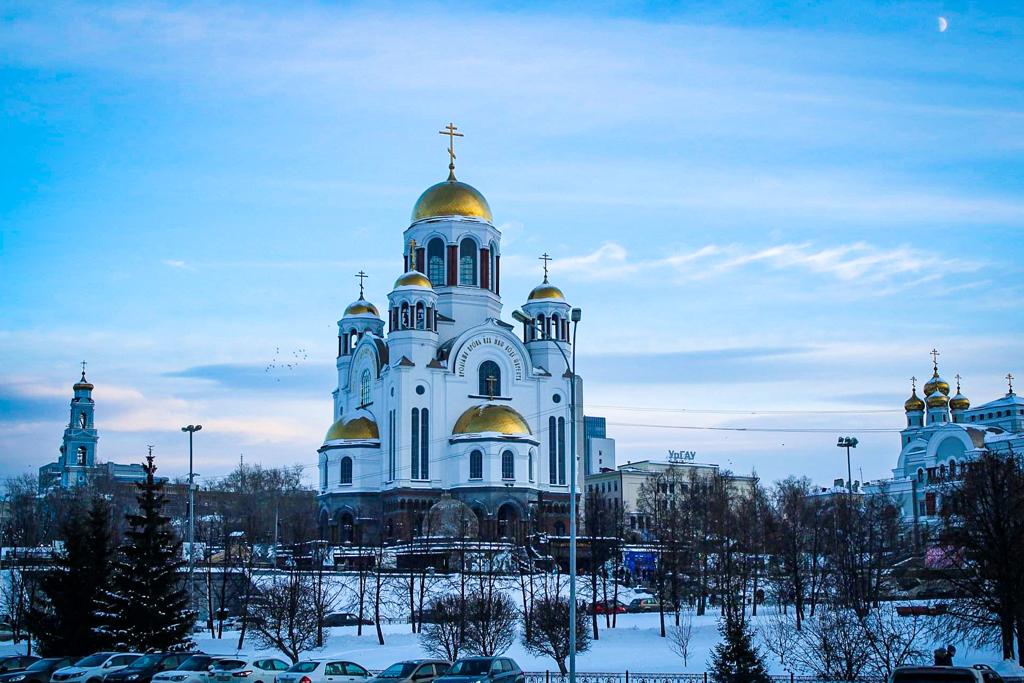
943	24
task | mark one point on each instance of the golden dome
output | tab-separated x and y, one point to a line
936	383
83	384
361	307
937	400
913	403
413	278
451	198
959	402
352	428
545	291
491	418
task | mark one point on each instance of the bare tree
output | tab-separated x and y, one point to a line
548	633
284	616
894	640
679	636
491	616
833	645
442	635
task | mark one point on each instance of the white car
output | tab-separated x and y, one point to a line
93	668
195	669
324	671
246	669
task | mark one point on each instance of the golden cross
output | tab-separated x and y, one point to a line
450	132
913	384
957	378
412	254
83	368
545	258
935	359
491	379
362	276
1009	380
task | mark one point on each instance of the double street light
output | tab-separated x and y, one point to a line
191	429
848	442
576	315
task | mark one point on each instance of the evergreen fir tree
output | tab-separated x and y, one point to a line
147	605
66	620
736	659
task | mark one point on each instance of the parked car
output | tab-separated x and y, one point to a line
195	669
324	671
145	667
38	671
93	668
945	674
642	605
608	607
413	671
16	663
484	670
345	619
252	669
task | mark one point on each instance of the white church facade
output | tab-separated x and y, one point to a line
438	396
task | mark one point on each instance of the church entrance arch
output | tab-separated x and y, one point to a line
508	522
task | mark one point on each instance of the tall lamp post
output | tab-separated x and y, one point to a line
191	429
576	315
848	442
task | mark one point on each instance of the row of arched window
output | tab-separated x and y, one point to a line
420	443
344	472
508	465
413	317
556	450
546	327
465	264
939	473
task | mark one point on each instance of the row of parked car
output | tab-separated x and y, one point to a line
190	667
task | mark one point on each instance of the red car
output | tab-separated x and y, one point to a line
609	607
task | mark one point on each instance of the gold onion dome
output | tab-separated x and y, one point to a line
83	383
959	402
451	198
352	428
413	278
936	383
361	307
545	291
937	400
913	403
491	418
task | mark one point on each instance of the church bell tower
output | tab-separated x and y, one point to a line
78	451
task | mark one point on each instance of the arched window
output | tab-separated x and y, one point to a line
80	455
508	465
952	469
415	443
467	262
82	420
556	327
404	323
364	388
345	471
476	465
435	262
920	475
493	269
490	378
323	475
542	327
529	466
561	450
421	316
424	444
552	450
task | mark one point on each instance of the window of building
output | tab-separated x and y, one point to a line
561	450
391	445
493	269
80	455
476	465
508	465
529	465
345	470
490	378
415	448
323	476
82	420
435	262
552	450
424	444
364	388
467	262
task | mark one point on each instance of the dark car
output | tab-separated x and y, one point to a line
38	671
484	669
345	619
16	663
643	605
145	667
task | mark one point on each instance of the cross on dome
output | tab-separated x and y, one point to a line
1009	380
913	383
362	276
450	132
957	378
935	359
545	258
83	369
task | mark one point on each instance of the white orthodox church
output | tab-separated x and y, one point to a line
943	435
440	397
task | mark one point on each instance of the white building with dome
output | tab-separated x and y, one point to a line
943	434
439	394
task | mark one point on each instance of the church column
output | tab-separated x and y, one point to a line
485	269
497	275
453	265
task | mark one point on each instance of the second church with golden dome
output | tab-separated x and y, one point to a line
438	396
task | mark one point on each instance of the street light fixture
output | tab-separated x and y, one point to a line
191	429
575	315
848	442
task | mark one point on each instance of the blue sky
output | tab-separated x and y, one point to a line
769	213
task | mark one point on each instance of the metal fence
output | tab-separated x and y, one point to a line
705	677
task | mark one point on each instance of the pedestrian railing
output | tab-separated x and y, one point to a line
704	677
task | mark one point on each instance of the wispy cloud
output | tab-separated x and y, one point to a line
174	263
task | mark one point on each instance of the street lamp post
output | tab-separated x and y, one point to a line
191	429
848	442
576	315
